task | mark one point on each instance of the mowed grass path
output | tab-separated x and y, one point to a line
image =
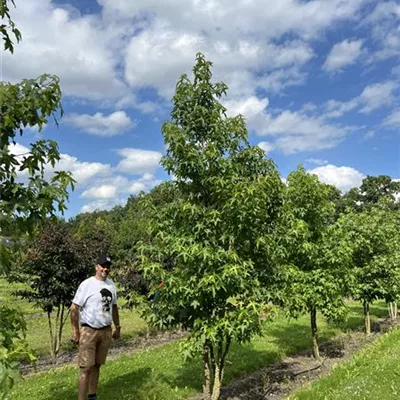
372	374
161	373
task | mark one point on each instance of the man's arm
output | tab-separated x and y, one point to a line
75	322
115	316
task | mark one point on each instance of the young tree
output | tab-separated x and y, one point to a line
373	236
313	280
56	262
24	203
211	245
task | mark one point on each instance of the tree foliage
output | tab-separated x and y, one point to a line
26	196
211	245
54	265
314	277
373	238
7	26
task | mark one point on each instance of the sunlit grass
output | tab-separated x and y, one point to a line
161	373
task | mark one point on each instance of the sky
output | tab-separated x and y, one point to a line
318	82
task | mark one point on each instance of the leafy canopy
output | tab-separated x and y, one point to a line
211	245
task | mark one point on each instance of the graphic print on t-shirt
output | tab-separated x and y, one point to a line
106	298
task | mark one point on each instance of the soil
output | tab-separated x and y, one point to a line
118	348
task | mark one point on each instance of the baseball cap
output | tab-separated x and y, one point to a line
104	260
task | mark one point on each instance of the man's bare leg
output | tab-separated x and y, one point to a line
94	379
83	384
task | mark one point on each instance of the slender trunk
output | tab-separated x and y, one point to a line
51	334
367	320
60	329
314	332
216	390
219	367
56	330
390	309
207	371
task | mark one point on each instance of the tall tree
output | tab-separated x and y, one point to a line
313	279
371	191
24	202
212	244
373	236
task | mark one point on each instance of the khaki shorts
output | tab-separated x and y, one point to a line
93	346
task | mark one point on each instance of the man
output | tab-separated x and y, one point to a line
95	305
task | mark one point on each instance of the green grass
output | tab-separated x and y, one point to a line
372	374
38	336
7	297
161	373
39	339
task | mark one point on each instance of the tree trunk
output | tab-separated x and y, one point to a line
395	310
367	319
314	332
51	334
214	365
207	371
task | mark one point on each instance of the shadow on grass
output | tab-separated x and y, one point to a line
241	359
132	385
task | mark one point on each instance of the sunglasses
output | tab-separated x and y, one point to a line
108	266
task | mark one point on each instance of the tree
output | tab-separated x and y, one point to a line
56	262
8	25
24	203
371	191
211	245
313	280
132	231
373	236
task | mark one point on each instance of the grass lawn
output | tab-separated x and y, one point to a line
161	373
372	374
38	335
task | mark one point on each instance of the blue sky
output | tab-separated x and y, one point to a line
318	82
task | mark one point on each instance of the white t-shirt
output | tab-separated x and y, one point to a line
95	299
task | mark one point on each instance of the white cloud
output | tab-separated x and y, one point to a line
293	131
100	192
149	43
373	96
137	161
101	125
344	178
101	204
83	51
384	24
377	95
227	18
82	171
393	120
343	54
165	44
316	161
266	146
137	187
114	189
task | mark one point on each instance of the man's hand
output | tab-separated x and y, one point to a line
117	333
75	336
